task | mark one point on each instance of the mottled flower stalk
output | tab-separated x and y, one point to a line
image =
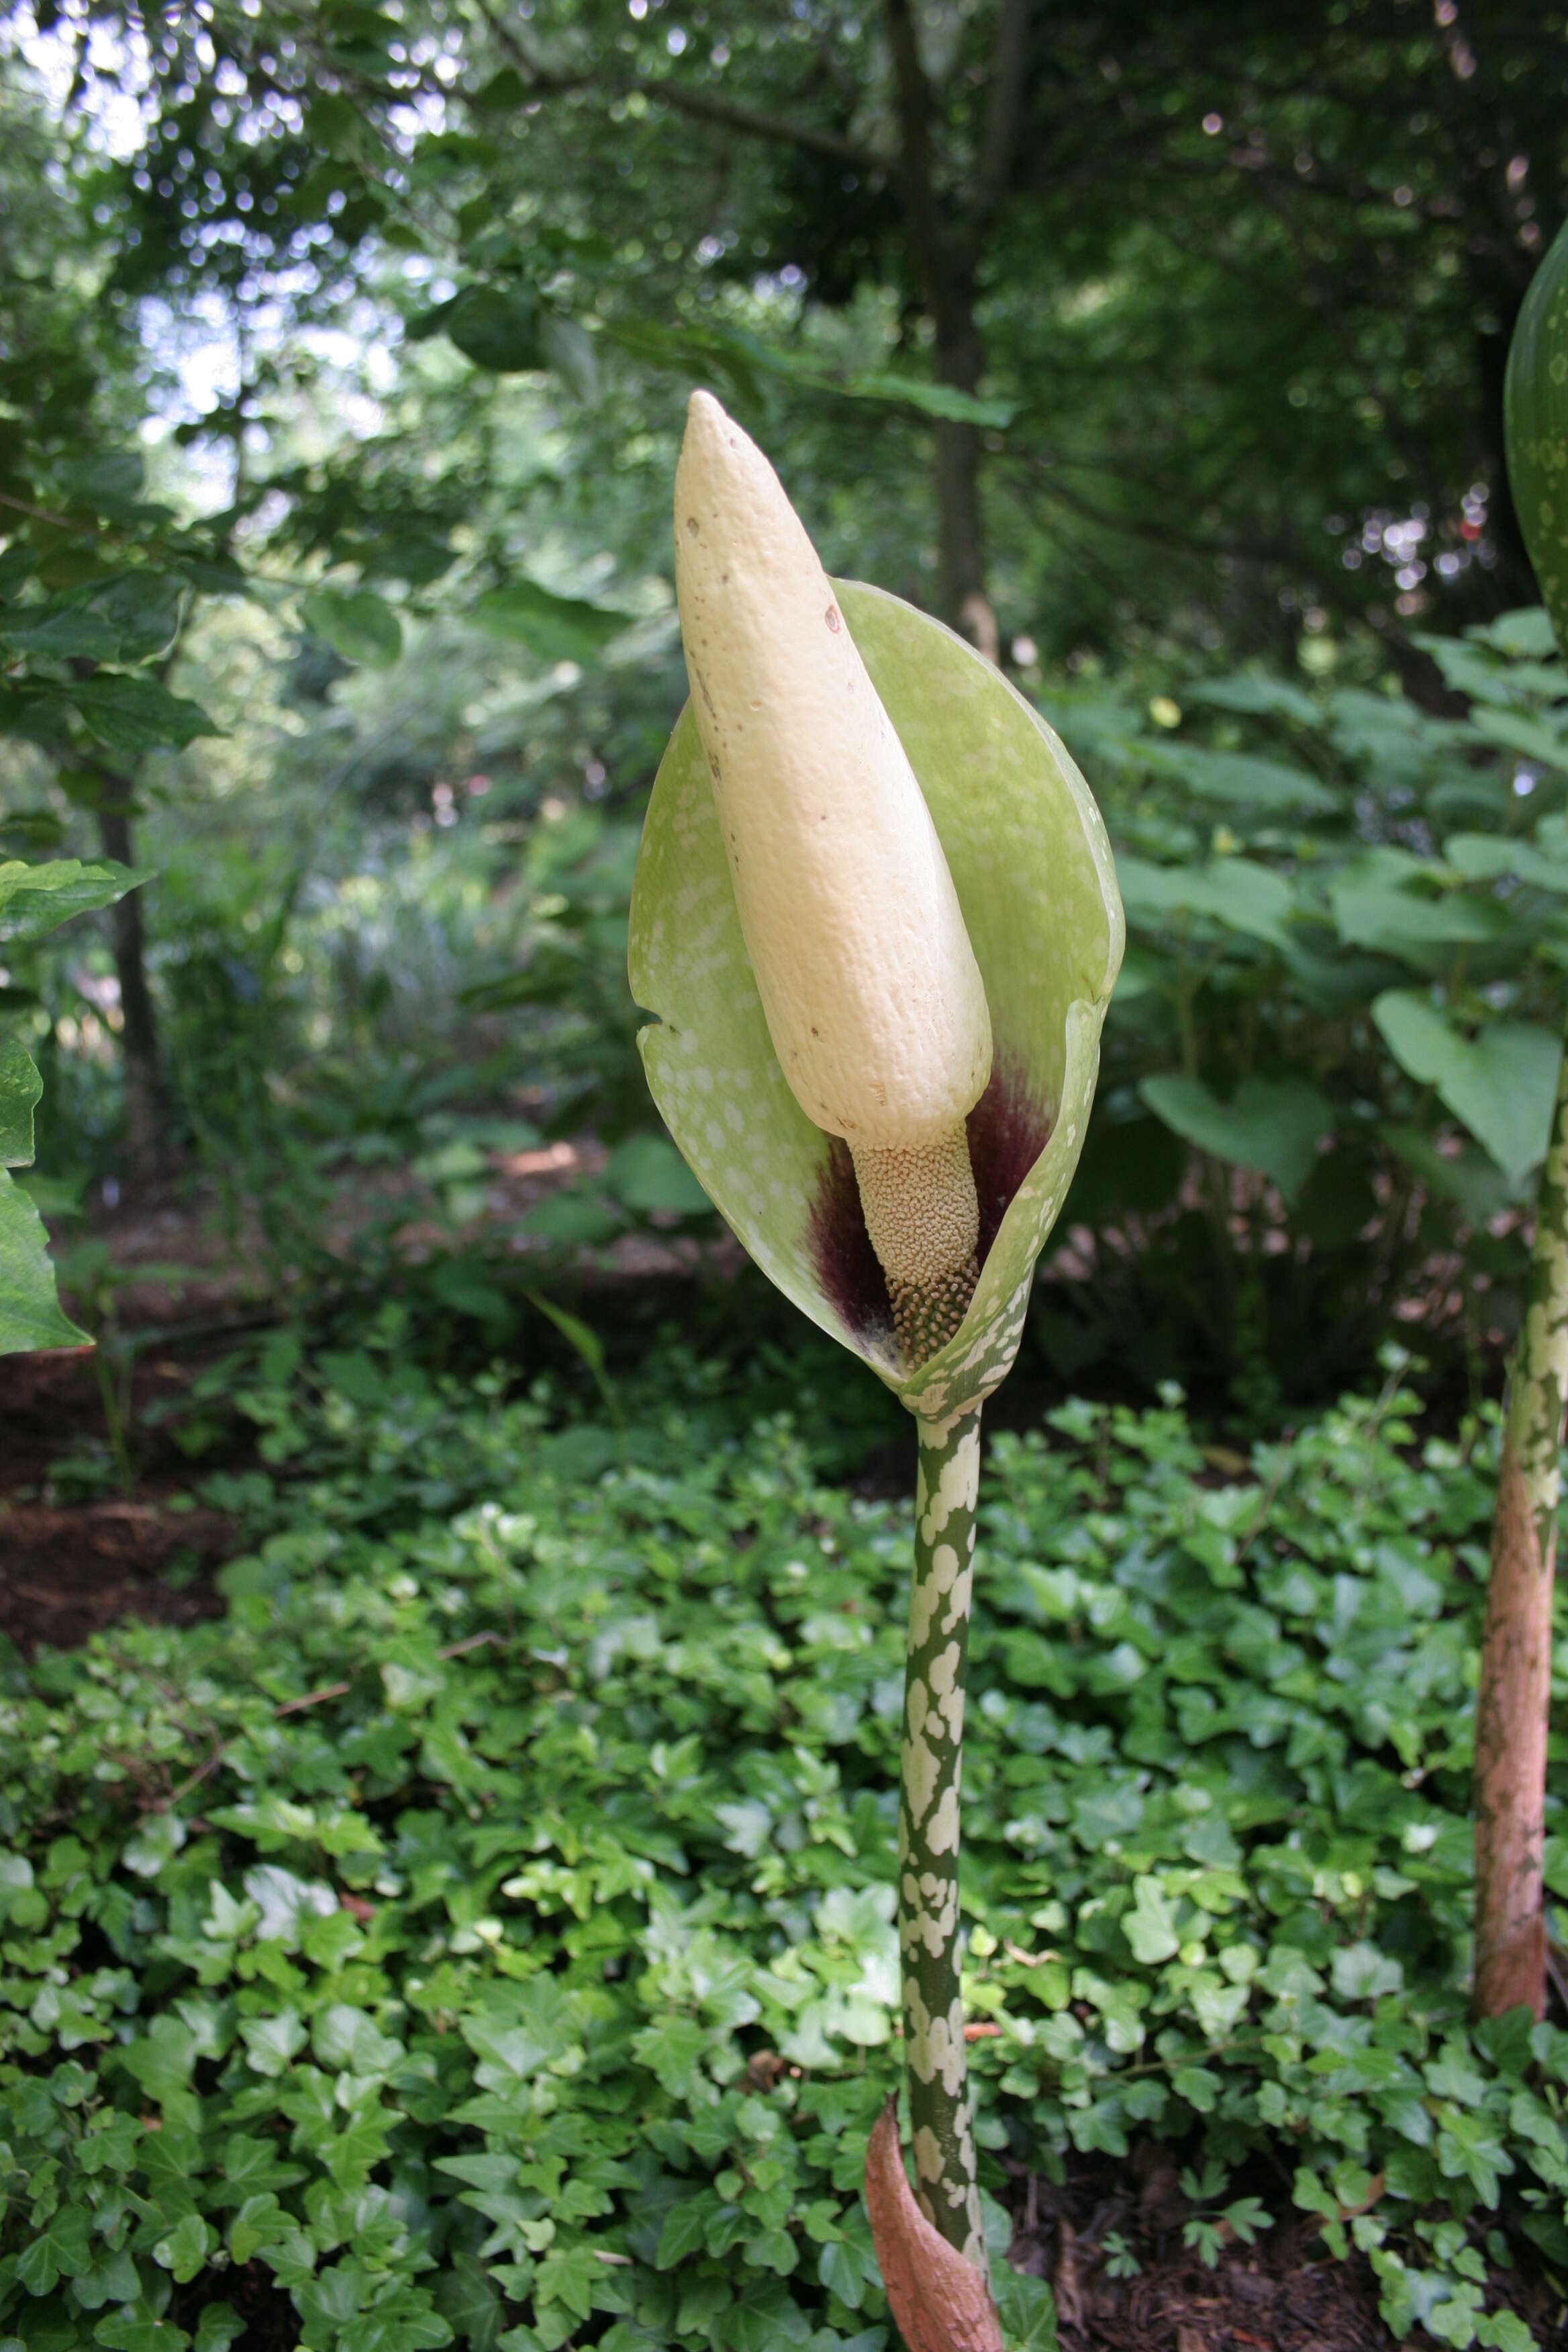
935	1679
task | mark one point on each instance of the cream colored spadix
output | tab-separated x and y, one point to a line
872	995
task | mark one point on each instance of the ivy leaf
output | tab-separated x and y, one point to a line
220	2326
60	2249
469	2302
272	2042
1026	2309
1150	1926
568	2275
685	2229
138	2327
763	2316
838	2271
186	2249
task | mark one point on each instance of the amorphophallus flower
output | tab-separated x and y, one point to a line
875	917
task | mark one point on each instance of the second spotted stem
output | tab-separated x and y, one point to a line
935	1679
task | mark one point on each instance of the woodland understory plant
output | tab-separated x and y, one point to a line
877	921
1514	1696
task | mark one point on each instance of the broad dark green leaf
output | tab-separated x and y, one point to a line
649	1175
1241	780
1237	893
356	623
497	327
553	629
569	348
20	1088
35	898
1272	1125
1502	1083
130	713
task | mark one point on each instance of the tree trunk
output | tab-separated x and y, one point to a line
960	538
946	271
1516	1647
146	1101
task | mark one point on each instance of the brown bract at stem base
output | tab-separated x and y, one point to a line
1510	1754
940	2301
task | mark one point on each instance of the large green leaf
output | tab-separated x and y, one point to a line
1501	1084
932	399
1535	428
30	1313
130	713
1035	879
1271	1125
35	898
1533	738
127	619
1266	696
554	628
1385	902
357	624
1234	892
1486	857
743	359
20	1087
569	348
1467	1176
648	1174
1527	634
1241	780
496	327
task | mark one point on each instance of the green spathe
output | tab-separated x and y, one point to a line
1037	886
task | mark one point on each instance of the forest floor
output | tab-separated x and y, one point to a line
75	1559
1283	2294
74	1565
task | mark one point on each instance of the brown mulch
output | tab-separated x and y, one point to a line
1283	2294
69	1568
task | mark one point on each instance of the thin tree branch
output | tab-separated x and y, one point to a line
702	105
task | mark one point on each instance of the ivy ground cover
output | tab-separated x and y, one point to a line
483	1933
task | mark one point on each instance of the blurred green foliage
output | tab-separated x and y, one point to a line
342	351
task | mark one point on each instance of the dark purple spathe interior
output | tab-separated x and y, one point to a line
1008	1129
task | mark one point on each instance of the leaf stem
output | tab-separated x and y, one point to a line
935	1680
